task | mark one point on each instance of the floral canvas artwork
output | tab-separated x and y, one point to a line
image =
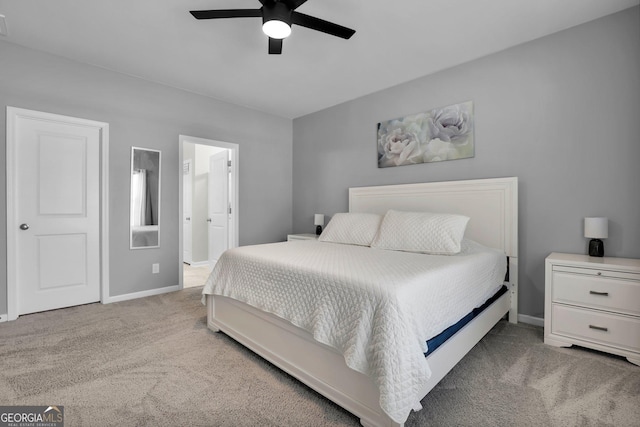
440	134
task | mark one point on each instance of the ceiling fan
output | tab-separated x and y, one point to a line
277	18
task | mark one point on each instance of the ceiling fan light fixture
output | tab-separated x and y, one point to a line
276	20
276	29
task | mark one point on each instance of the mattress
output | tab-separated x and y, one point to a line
436	341
376	307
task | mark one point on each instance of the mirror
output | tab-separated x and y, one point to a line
145	198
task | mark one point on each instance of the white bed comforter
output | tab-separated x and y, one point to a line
376	307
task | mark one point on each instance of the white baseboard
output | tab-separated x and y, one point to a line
141	294
3	318
531	320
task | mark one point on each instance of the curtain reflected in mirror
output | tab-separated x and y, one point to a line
145	198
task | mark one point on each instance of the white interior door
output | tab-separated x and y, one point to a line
187	210
57	214
218	203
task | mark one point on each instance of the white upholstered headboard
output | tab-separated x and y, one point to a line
492	205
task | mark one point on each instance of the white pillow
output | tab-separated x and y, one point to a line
423	232
352	228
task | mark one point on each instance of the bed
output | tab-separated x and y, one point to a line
312	358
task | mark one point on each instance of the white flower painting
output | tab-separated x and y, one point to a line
437	135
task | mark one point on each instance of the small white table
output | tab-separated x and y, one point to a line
303	236
593	302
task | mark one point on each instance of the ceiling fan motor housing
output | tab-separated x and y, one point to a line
278	11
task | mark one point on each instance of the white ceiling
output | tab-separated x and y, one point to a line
395	41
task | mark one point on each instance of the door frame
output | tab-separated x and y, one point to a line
13	113
234	240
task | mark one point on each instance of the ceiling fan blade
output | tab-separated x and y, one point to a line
227	13
321	25
275	46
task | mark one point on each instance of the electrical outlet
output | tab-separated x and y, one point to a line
155	268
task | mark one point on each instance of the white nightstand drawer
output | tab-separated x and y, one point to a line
597	327
599	272
605	293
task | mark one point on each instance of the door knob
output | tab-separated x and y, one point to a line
24	226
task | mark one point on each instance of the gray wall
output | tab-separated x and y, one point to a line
149	115
561	113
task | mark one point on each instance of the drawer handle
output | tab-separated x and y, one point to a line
604	294
598	328
599	273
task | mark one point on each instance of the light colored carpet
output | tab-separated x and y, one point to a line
152	362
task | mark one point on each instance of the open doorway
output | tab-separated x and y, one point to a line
208	205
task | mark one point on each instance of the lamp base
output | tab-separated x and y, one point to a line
318	230
596	248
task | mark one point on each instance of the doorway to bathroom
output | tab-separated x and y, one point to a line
208	205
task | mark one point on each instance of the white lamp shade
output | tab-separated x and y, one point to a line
596	228
276	29
318	219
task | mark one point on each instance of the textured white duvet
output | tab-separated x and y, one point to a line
376	307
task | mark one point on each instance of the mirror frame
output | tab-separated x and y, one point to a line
155	227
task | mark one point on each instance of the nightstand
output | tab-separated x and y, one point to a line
303	236
593	302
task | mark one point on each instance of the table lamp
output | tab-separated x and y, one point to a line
596	229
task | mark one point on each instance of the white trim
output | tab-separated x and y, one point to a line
150	227
12	115
531	320
142	294
234	241
12	292
3	317
104	203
